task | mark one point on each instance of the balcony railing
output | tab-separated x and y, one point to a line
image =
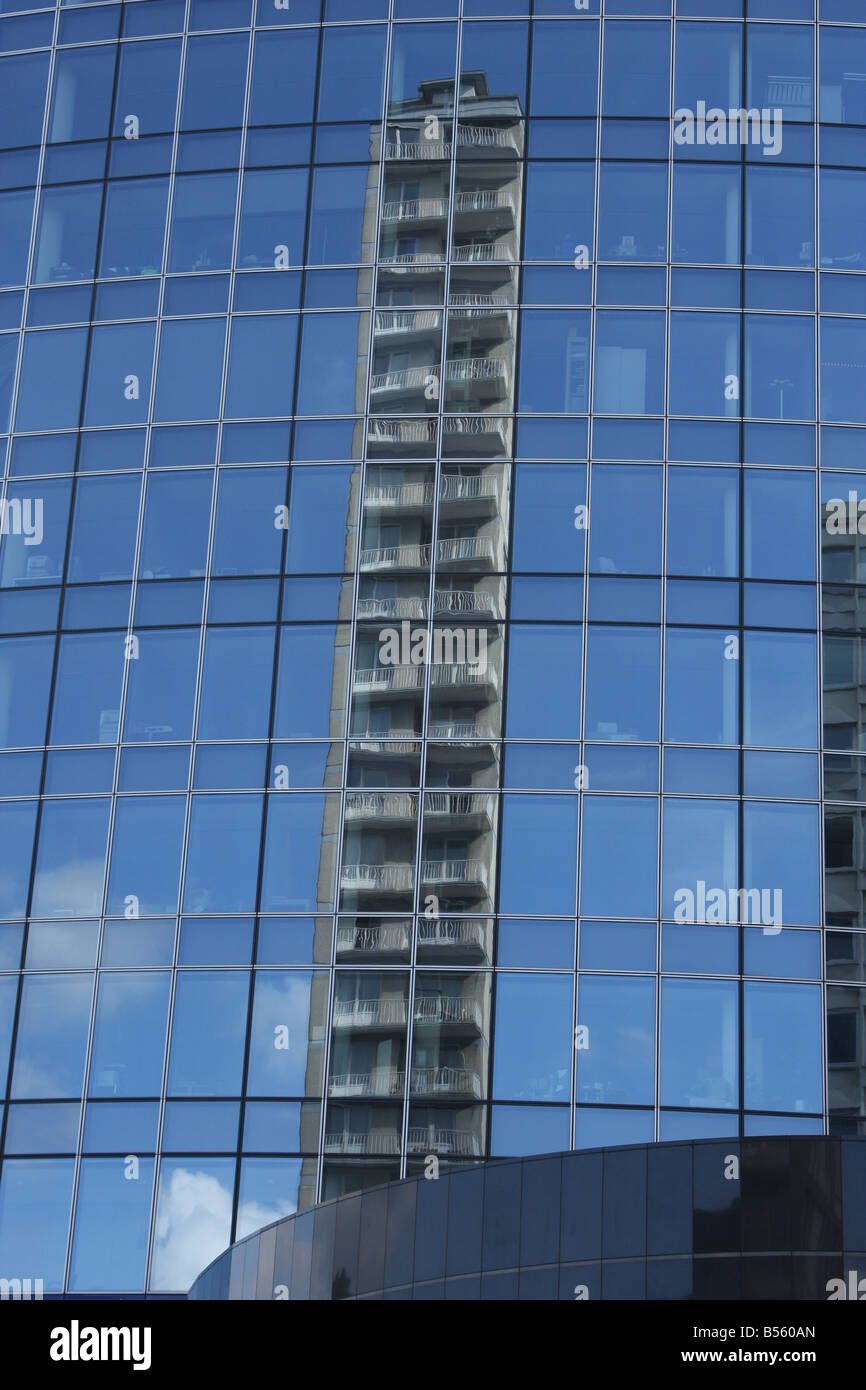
474	136
404	259
389	878
407	379
418	149
478	301
414	209
396	557
457	369
463	487
446	931
417	556
478	252
465	548
368	1013
383	1143
456	871
384	678
398	494
461	673
457	729
475	368
463	601
458	804
448	1010
402	431
381	805
384	1081
474	424
407	320
443	1141
392	608
484	200
389	937
486	136
427	1081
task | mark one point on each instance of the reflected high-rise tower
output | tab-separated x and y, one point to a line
430	658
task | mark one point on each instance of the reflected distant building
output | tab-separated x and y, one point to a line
430	688
431	567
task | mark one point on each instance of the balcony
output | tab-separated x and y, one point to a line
391	557
388	938
368	741
359	1144
400	263
469	137
490	372
463	809
388	680
451	873
454	1010
467	681
469	488
445	1081
398	496
476	551
457	730
381	806
475	435
423	1140
488	137
415	210
378	878
452	933
384	1081
370	1013
463	601
403	322
482	253
403	437
477	305
408	379
493	373
434	150
392	608
488	207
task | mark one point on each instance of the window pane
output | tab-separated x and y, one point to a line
70	862
129	1034
207	1033
539	841
782	1046
109	1247
699	1040
35	1199
609	823
52	1036
223	854
146	854
533	1037
287	1033
615	1055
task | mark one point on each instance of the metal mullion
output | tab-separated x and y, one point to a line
169	1026
124	674
352	618
431	603
593	317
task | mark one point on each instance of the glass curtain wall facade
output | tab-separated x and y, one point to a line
422	449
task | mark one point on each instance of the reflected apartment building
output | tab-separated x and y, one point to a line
444	593
410	1048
